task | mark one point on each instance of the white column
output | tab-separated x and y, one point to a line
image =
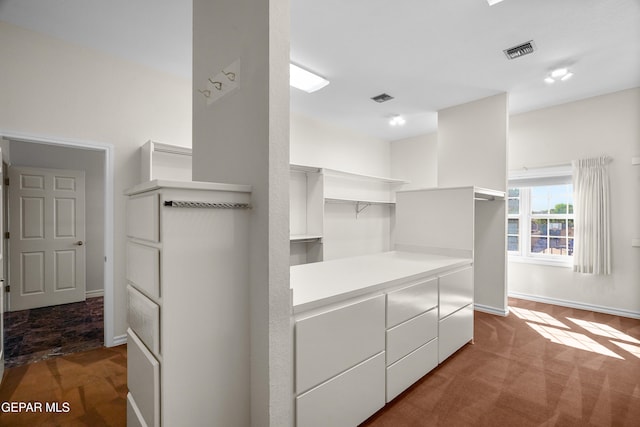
472	150
243	137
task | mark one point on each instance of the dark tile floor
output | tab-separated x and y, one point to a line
41	333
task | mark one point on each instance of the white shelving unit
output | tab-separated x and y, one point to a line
635	160
311	188
165	161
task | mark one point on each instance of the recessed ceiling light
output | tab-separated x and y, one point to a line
397	121
492	2
559	74
305	80
566	76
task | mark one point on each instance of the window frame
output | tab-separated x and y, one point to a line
525	216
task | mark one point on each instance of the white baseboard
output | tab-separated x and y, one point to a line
581	306
94	294
119	340
491	310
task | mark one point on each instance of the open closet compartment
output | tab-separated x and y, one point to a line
326	200
165	161
459	221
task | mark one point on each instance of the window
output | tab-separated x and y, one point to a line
540	223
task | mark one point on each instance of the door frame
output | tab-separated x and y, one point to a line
108	151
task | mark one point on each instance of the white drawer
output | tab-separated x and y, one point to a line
454	332
144	319
408	302
332	342
143	268
411	368
456	291
346	400
143	379
408	336
143	217
134	417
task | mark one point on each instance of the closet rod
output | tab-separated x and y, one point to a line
207	205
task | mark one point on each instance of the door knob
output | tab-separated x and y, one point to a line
79	243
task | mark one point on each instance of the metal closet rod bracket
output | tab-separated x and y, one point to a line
359	209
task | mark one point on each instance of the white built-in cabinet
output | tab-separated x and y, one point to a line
311	189
165	161
352	357
188	337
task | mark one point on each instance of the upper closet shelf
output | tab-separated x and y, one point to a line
351	175
303	238
635	160
359	201
344	174
487	194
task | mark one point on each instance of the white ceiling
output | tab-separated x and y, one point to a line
428	54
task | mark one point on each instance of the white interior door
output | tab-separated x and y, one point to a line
47	233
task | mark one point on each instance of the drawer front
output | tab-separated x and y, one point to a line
143	379
134	417
410	335
408	302
411	368
456	291
144	319
331	342
346	400
143	268
454	332
143	217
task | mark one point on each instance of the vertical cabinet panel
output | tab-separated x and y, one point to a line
456	291
405	303
455	331
346	400
143	379
329	343
143	217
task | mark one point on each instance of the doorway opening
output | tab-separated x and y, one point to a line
54	330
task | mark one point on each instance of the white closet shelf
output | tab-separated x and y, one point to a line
304	237
635	243
487	194
303	168
359	201
635	160
351	175
171	149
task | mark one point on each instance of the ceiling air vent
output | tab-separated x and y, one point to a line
520	50
382	97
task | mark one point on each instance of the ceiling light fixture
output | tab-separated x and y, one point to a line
562	74
397	121
492	2
305	80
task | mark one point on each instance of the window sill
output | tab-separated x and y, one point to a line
540	261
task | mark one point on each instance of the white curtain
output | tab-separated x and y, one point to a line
592	248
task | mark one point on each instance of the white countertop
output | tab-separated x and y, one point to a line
322	283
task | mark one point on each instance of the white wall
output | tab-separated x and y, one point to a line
416	160
603	125
317	143
472	151
92	163
56	89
